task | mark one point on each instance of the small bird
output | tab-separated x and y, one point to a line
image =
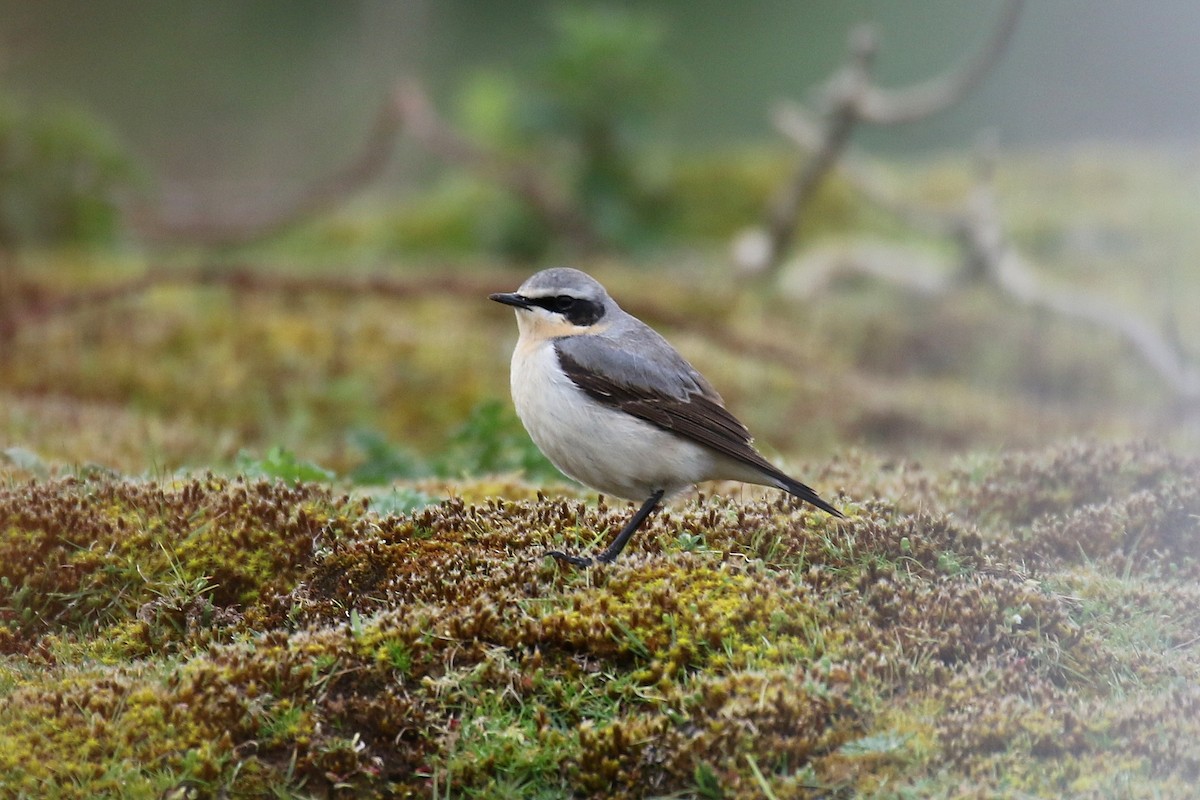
613	405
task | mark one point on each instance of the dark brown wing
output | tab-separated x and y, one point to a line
695	414
696	417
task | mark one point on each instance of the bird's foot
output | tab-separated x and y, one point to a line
578	561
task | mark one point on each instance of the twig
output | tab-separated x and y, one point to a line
851	98
783	218
993	257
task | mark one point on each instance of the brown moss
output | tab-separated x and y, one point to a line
1133	507
1039	736
783	718
81	554
1019	488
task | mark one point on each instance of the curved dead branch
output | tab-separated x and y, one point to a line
406	110
899	106
851	98
259	222
993	257
988	256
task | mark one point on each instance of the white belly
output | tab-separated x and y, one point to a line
596	445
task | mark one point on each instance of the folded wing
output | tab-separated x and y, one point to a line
661	388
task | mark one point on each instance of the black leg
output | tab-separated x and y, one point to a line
614	549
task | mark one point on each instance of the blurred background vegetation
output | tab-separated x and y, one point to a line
633	140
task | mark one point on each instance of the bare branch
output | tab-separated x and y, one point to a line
852	98
783	219
407	109
913	271
988	247
797	125
251	225
988	256
1016	277
900	106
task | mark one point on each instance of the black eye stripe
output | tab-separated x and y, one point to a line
577	310
559	302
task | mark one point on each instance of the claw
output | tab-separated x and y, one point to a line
578	561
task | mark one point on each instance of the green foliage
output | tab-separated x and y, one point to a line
606	81
401	500
281	464
586	118
491	441
60	172
382	461
606	71
707	783
590	118
490	107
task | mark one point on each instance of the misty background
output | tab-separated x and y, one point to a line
226	94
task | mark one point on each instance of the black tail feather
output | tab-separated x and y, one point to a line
805	493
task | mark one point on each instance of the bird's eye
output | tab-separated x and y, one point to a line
564	303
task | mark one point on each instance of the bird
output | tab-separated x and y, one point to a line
614	406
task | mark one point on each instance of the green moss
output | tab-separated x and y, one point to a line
672	617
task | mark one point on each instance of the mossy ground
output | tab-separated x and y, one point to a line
187	610
248	638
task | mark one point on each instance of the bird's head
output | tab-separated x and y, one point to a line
559	302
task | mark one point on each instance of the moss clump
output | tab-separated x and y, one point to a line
664	618
706	731
1132	507
1018	488
157	562
1051	739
